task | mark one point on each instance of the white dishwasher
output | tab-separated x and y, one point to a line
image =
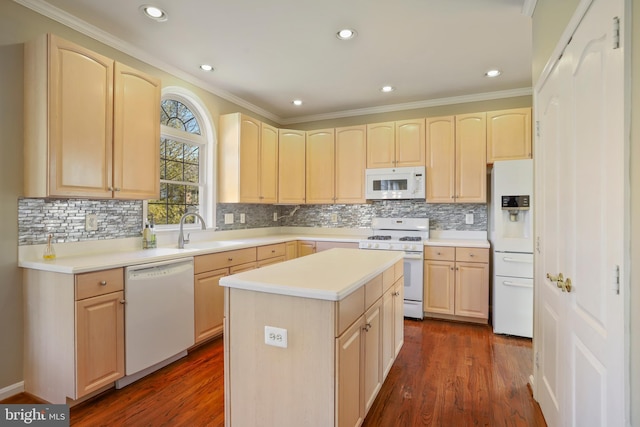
159	316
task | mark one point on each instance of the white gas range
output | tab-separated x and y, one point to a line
408	235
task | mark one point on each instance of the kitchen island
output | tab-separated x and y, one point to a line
310	341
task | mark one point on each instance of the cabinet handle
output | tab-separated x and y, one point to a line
396	293
367	327
438	253
122	301
273	251
117	189
457	268
110	188
471	255
229	259
103	283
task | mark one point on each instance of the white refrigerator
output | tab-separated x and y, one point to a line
512	241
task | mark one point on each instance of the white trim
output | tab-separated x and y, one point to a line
528	7
49	11
11	390
412	105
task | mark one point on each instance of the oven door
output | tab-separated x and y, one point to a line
413	284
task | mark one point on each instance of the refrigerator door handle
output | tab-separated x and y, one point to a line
523	261
515	284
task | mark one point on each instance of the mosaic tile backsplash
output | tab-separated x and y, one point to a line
65	218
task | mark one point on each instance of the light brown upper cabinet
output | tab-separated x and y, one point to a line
351	162
456	159
247	160
509	134
396	144
320	166
291	173
92	125
336	161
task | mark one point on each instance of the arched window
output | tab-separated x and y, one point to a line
186	160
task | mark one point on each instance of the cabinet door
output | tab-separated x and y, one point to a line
306	247
398	316
136	135
208	304
471	164
381	143
472	289
349	375
80	121
351	162
410	142
99	342
268	164
440	159
291	250
509	134
372	354
439	286
249	160
291	170
388	327
321	166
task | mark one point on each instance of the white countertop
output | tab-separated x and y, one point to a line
92	256
328	275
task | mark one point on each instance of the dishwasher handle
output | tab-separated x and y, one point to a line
157	269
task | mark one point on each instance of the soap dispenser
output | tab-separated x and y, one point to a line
49	253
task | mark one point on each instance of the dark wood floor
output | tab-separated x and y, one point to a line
447	374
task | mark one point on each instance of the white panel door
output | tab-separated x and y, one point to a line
580	183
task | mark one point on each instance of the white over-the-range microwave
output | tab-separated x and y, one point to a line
395	183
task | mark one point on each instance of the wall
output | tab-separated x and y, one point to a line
10	189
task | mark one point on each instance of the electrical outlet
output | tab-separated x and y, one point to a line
243	218
468	218
91	222
275	216
334	217
276	337
228	218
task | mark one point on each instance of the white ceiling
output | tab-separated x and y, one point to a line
268	52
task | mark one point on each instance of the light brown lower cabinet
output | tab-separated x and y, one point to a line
336	359
208	294
306	247
456	283
74	333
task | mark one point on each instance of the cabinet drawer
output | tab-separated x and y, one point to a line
349	309
271	251
218	260
242	267
99	283
440	253
372	291
472	254
265	262
388	278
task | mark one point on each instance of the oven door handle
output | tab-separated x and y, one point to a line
413	255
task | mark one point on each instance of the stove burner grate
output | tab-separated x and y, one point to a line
410	239
379	238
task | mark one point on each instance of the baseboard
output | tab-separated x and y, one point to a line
11	390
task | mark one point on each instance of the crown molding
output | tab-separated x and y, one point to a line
412	105
64	18
528	7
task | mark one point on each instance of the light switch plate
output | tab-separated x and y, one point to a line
469	218
91	222
243	218
228	218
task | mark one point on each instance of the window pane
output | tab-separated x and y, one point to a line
191	173
174	171
177	115
191	154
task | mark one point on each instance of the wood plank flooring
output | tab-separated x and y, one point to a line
447	374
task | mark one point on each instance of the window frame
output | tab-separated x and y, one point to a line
207	143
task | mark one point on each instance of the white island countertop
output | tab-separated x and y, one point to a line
328	275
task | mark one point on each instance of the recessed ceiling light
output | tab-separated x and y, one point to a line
346	34
493	73
297	102
387	89
154	12
206	67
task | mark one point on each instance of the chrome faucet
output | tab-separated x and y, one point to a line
181	239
